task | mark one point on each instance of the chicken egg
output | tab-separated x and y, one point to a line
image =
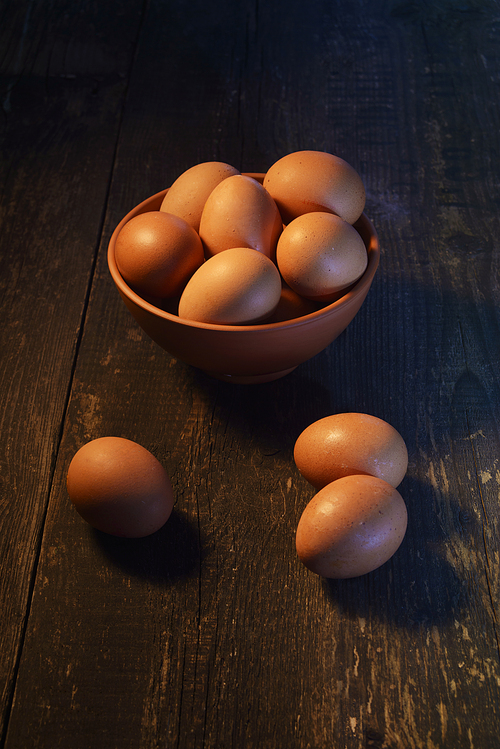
306	181
319	255
351	527
119	487
239	212
188	194
350	443
156	253
291	305
235	287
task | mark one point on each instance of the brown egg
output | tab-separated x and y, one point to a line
291	305
235	287
239	212
319	255
188	194
306	181
350	443
119	487
156	253
351	527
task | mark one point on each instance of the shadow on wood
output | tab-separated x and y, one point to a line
173	552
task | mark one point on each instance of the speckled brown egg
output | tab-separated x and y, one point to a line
235	287
351	527
156	253
319	255
306	181
187	196
119	487
239	212
350	443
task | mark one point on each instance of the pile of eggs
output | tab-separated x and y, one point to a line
225	248
353	524
357	519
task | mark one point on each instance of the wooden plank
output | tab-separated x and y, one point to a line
210	633
62	90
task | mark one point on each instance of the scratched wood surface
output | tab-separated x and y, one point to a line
210	633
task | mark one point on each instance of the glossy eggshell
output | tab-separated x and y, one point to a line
351	527
319	255
119	487
187	196
156	253
239	212
238	286
350	443
306	181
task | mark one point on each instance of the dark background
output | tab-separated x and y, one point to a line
210	633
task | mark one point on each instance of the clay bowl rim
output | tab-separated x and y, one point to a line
373	250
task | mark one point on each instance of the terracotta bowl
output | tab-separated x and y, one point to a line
246	353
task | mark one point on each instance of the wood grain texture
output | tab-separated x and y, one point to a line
210	633
61	97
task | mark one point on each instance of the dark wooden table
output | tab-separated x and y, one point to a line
210	633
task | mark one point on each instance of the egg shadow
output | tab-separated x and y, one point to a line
417	587
173	552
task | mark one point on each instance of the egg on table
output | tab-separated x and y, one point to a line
350	443
351	527
119	487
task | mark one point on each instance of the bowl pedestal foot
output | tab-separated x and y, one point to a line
250	379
